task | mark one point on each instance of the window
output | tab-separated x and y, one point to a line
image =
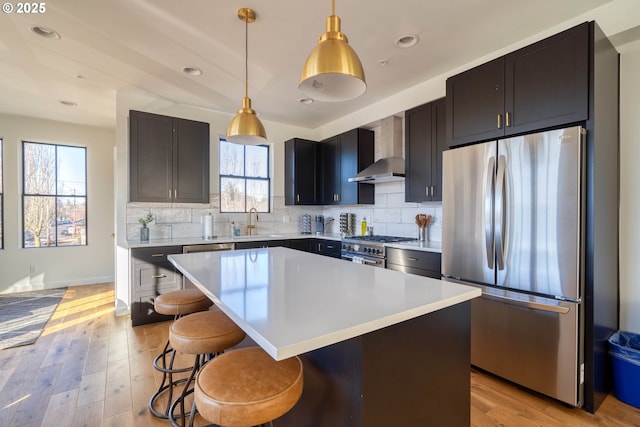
1	201
244	177
54	199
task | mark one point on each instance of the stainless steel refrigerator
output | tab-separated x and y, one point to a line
513	224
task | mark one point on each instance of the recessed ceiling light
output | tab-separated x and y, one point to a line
45	32
407	41
383	62
68	103
192	71
305	100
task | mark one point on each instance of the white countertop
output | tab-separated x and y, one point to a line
180	241
291	302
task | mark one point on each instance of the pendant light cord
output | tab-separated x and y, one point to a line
246	56
333	7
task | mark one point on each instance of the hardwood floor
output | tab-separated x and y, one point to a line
90	368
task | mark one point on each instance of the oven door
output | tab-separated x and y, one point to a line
361	259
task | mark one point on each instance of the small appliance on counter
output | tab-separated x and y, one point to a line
305	224
347	224
319	227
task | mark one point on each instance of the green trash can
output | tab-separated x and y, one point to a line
624	348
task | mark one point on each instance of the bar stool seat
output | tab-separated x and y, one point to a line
247	387
181	302
206	335
175	303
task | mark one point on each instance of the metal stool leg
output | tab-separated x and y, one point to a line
167	384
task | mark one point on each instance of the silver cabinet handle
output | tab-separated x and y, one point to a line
507	119
159	276
157	255
412	259
298	198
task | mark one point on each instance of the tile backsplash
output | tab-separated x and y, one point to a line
389	216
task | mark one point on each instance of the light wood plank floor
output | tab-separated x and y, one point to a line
90	368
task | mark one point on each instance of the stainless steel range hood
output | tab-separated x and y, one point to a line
391	166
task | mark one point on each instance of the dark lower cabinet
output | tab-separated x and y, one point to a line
415	262
543	85
151	275
302	244
262	244
326	247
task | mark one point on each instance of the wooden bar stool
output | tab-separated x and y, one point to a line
206	335
247	387
176	303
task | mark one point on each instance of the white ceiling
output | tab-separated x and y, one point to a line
144	44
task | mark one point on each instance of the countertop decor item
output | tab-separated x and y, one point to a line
332	72
423	221
245	127
144	231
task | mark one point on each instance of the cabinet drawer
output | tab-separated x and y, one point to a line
414	259
154	255
161	275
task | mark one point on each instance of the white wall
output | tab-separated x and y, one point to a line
56	267
629	191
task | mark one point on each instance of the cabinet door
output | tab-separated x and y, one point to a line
547	83
330	165
356	153
190	161
300	172
438	145
475	104
418	153
150	167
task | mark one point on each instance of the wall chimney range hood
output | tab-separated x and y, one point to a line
390	167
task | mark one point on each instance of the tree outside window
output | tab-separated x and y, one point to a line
244	177
54	195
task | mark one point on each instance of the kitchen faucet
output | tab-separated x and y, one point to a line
249	225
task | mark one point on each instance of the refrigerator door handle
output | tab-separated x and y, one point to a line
528	304
489	212
500	209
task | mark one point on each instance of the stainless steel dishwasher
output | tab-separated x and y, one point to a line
186	283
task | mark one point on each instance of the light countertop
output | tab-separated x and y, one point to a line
180	241
291	302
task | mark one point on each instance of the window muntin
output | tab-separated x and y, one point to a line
54	196
244	177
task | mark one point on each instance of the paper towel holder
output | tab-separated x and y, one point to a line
207	227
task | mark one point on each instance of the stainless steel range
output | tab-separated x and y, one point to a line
369	250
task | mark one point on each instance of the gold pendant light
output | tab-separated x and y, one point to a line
332	71
245	127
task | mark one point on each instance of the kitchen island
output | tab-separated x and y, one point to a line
379	347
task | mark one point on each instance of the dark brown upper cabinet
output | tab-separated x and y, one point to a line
169	159
301	172
342	157
540	86
425	140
